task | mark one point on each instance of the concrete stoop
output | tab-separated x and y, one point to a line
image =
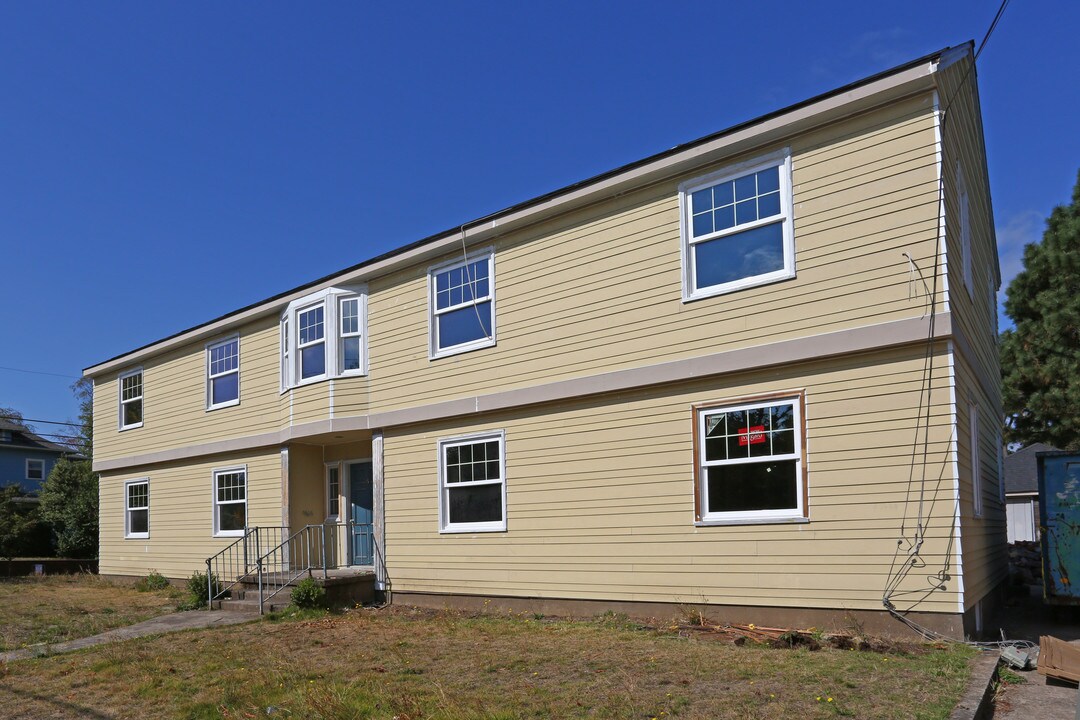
344	588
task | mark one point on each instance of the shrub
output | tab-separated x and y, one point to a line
308	594
153	581
196	586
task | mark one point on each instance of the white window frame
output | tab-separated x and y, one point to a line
210	376
330	299
215	473
336	467
798	514
128	534
40	462
434	351
445	526
141	398
976	466
5	436
999	447
301	346
361	334
688	241
963	206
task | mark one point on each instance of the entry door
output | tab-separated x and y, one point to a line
361	513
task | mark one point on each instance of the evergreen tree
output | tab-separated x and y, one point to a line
1040	358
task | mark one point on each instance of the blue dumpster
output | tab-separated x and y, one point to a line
1059	512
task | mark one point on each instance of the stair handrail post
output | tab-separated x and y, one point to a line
322	546
259	565
209	586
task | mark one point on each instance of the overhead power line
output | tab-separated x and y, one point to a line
39	372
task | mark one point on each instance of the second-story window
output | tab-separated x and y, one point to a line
323	336
349	345
223	373
462	306
312	342
131	400
737	227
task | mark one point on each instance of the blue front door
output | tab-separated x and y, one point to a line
361	497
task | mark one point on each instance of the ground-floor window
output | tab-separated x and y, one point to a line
230	501
137	509
472	483
749	463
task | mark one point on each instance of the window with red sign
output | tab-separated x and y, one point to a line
749	465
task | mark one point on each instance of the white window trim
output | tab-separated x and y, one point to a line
326	485
289	330
120	398
35	460
999	447
964	211
300	347
128	535
214	500
786	515
434	352
445	526
210	377
976	466
787	210
339	351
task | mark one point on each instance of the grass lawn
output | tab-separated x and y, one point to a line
55	608
411	664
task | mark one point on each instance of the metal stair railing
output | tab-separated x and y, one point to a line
236	562
301	552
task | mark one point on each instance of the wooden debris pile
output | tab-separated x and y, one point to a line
1059	659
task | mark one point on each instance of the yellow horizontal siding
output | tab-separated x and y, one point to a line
181	519
600	498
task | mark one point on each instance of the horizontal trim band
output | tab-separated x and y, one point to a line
826	345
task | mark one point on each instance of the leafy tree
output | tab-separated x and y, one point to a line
1040	358
69	496
18	524
69	502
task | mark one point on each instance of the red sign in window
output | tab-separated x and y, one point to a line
752	435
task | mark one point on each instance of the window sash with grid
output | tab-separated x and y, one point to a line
131	397
223	373
138	509
333	491
351	331
458	289
766	434
230	489
311	341
473	484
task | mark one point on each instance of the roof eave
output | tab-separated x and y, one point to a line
902	81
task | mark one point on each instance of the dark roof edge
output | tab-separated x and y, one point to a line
549	196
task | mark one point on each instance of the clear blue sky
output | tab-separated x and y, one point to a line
165	163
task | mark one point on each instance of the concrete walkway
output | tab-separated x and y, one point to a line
155	626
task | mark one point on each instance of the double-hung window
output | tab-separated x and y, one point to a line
230	501
137	509
223	373
750	462
312	342
737	227
462	301
472	480
35	469
973	458
323	336
131	399
350	346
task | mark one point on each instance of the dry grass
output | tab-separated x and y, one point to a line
55	608
407	664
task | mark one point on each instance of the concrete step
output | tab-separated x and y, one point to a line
250	605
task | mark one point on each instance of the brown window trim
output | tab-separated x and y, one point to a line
696	409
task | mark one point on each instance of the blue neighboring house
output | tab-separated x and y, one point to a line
25	458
